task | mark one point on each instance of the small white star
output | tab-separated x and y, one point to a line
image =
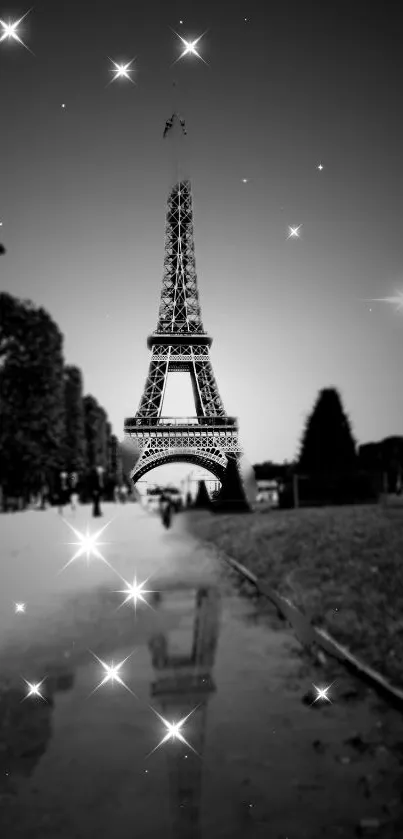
34	690
174	732
135	592
63	105
181	21
397	300
112	673
10	31
322	693
294	232
190	47
245	180
320	167
88	545
122	71
19	607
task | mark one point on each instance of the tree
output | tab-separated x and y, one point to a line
95	420
74	441
32	399
2	249
327	445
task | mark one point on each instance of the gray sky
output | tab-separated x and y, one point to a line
84	189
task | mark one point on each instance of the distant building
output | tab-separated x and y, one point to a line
267	492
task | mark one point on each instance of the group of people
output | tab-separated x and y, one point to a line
68	490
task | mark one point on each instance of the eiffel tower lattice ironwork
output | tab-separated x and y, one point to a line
180	343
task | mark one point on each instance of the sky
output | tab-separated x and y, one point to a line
83	193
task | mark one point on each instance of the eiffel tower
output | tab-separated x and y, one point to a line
185	684
180	343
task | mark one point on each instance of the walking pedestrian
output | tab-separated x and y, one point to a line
74	490
64	492
165	509
97	484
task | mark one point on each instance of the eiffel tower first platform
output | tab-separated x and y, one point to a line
179	343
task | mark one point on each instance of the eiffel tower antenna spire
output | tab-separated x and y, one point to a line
176	139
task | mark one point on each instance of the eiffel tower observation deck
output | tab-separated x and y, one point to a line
180	343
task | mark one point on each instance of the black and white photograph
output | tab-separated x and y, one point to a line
201	419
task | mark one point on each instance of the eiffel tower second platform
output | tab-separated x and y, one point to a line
210	438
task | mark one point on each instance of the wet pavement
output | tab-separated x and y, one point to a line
261	758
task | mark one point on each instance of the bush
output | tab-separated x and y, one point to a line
342	488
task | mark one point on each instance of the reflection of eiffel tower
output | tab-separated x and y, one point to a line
187	682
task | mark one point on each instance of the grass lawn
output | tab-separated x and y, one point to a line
342	566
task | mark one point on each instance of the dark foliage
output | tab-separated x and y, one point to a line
95	434
327	444
385	457
333	489
32	398
269	471
74	440
2	249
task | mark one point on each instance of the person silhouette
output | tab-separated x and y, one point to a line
97	484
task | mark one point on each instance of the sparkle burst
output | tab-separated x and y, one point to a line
396	300
174	731
34	689
320	167
10	31
190	47
87	544
322	693
19	607
294	232
122	71
112	674
135	592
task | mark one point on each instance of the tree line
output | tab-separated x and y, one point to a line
330	466
47	424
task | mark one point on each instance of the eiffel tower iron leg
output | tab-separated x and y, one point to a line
151	401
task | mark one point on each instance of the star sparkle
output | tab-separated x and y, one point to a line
135	592
19	607
34	689
122	71
10	31
88	544
294	232
320	167
322	693
112	674
396	300
174	731
190	47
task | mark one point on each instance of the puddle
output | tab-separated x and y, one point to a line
258	761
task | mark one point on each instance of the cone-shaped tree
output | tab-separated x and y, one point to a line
74	420
202	500
327	445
